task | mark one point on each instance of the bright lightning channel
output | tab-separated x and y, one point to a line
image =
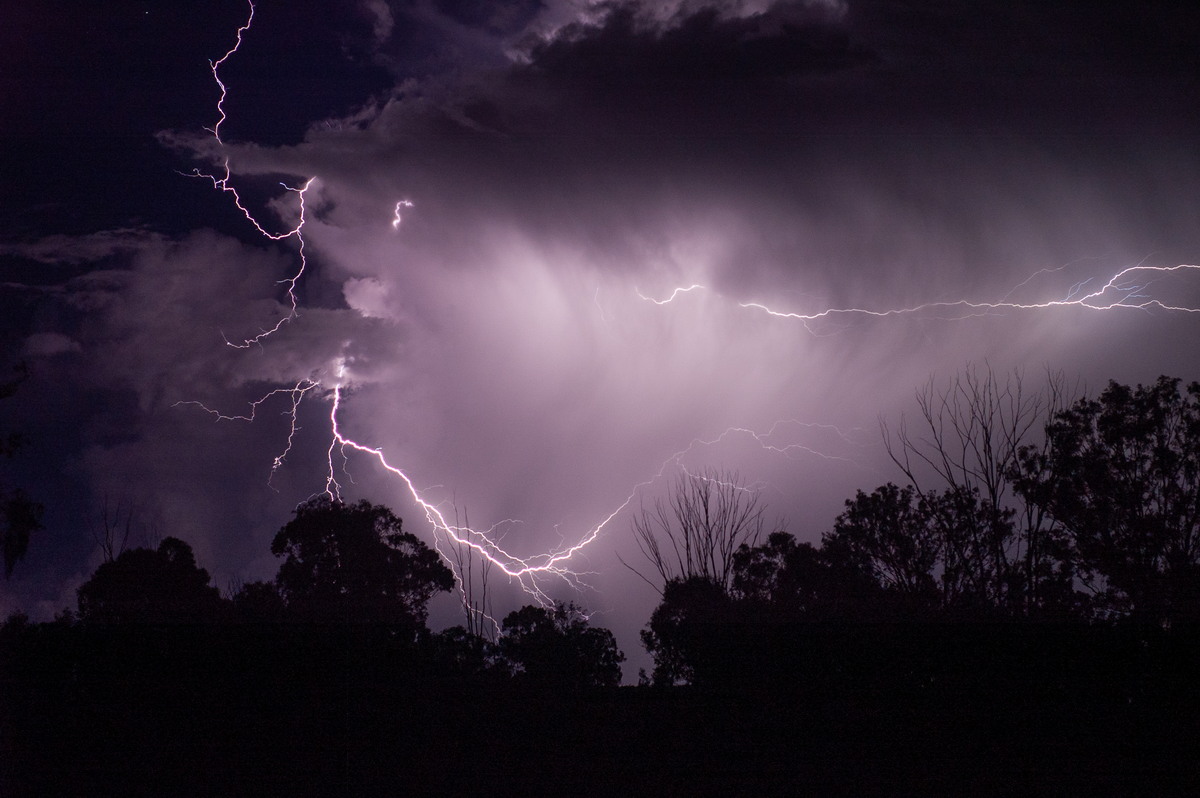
224	184
1124	290
396	218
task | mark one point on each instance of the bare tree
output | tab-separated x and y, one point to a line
695	533
971	433
473	585
115	523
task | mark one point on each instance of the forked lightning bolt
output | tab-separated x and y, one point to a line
531	573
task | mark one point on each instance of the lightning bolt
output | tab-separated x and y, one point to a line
396	219
672	297
215	66
224	184
533	573
296	393
1123	290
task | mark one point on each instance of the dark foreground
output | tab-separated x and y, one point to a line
245	711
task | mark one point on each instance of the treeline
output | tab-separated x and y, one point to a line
1033	589
324	680
348	573
1051	523
1021	509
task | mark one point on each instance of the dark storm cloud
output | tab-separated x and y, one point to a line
500	18
73	250
619	54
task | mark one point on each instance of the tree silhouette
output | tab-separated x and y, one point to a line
20	516
1122	475
473	571
351	563
259	602
931	552
112	525
150	586
463	652
1004	549
556	646
695	535
686	631
785	580
891	535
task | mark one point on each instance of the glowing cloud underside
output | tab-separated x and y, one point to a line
1129	288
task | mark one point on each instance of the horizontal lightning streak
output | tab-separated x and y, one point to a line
1123	292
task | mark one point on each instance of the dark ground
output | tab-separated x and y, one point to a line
252	711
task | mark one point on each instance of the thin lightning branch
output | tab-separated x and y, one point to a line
596	301
763	440
673	295
295	393
224	184
216	73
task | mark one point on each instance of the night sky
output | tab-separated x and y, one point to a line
570	164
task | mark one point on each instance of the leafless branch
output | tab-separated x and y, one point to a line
696	532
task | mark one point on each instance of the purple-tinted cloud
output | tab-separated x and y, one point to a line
569	165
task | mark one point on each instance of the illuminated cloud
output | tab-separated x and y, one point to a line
566	160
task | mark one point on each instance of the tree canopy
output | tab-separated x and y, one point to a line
349	563
1121	475
557	646
150	586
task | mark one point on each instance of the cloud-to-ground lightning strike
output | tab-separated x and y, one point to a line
530	573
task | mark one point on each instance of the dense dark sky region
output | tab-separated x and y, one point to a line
568	163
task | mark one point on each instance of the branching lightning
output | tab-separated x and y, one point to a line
533	574
224	184
295	393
